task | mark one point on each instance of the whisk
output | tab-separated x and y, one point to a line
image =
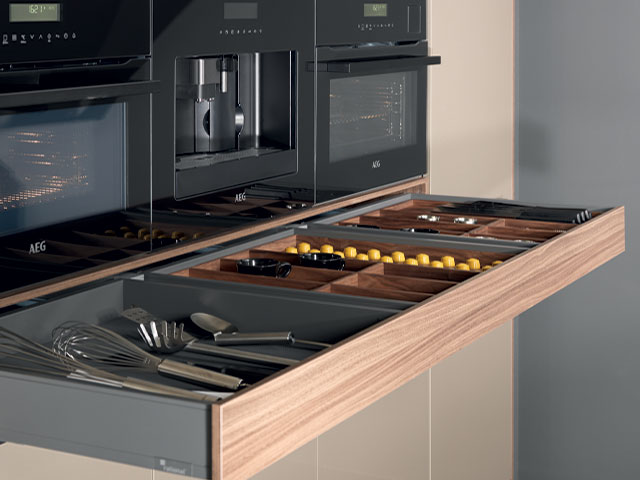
99	345
20	354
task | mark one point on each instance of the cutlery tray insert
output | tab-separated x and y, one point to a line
360	277
404	215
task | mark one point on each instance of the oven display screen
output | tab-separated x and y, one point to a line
375	9
241	11
34	12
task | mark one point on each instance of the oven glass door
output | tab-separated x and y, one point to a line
371	124
61	164
74	180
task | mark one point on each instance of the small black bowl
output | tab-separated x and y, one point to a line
267	267
322	260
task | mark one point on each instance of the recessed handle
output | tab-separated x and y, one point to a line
29	98
373	65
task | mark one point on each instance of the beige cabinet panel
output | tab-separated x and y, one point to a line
387	441
19	462
299	465
471	98
471	411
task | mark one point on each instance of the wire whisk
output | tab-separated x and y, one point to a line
82	341
19	354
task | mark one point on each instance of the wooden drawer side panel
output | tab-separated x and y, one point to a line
266	422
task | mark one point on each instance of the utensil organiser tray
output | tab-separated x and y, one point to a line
388	323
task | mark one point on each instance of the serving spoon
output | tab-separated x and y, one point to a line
226	333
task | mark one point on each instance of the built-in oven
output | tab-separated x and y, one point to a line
75	140
371	94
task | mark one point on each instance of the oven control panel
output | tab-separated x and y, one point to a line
73	30
352	23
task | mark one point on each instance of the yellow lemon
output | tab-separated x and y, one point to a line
326	248
304	247
423	259
437	264
448	261
291	250
362	256
411	261
462	266
497	262
474	263
398	257
486	267
386	259
339	253
374	254
314	250
350	252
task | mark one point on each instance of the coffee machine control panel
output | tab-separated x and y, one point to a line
241	18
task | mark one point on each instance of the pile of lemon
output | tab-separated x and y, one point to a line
374	255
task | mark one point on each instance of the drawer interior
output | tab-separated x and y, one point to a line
364	278
62	413
405	215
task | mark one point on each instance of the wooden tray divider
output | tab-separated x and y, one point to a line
447	274
395	282
254	279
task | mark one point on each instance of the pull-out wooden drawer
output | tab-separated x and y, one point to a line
388	324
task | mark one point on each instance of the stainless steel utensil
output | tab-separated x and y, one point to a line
225	333
20	354
465	220
142	317
96	344
168	337
429	218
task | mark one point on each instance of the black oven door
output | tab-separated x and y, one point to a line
74	171
370	119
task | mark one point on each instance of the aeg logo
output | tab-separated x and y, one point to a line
38	247
241	197
376	164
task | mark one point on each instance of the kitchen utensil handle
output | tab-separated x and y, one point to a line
197	374
152	387
240	354
311	343
279	338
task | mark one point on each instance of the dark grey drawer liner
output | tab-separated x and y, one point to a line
140	429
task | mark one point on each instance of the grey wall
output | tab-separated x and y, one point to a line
578	353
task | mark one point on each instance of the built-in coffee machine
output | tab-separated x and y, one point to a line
233	84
